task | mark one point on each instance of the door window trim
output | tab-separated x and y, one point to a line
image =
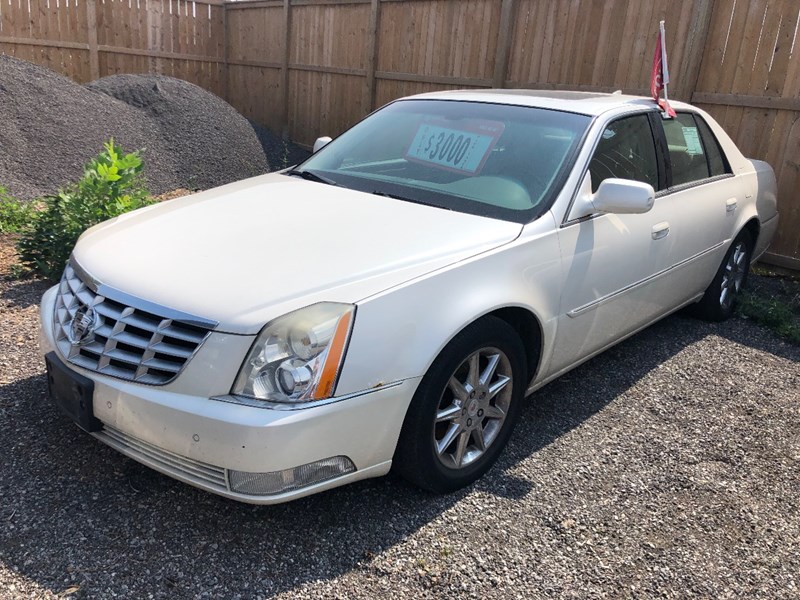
681	187
565	221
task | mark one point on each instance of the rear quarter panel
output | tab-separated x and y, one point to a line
766	205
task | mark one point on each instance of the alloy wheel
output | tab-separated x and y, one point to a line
473	408
733	276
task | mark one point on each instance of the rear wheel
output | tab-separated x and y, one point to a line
464	409
719	301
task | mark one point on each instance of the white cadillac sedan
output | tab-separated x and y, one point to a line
391	301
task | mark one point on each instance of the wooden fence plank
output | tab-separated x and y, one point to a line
372	53
91	28
155	54
45	43
593	63
623	64
503	43
287	29
774	102
443	79
40	28
787	242
550	34
6	10
696	40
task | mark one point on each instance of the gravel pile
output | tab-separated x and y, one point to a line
209	142
50	126
667	467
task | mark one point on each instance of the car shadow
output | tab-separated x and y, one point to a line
23	293
75	512
758	337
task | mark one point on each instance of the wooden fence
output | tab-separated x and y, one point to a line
749	81
313	67
87	39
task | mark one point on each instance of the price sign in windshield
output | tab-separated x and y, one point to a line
464	149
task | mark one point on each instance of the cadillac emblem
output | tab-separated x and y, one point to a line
80	330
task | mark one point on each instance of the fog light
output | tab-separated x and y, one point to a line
288	480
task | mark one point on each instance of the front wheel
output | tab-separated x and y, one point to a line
465	408
720	298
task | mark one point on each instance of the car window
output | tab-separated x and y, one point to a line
686	152
626	150
716	159
496	160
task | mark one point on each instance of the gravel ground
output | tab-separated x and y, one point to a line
50	126
668	467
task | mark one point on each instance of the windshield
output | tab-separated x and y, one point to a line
492	160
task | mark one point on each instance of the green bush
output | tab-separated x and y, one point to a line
14	215
111	185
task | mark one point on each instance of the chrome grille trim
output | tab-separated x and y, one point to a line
140	303
129	342
175	465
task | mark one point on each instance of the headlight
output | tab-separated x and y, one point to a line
297	357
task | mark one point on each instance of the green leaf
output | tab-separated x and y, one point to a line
110	185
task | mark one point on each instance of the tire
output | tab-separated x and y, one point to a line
719	300
456	401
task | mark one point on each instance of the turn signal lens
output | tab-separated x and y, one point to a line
288	480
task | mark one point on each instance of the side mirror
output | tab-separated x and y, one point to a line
623	196
321	143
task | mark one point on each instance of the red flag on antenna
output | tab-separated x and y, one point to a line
659	76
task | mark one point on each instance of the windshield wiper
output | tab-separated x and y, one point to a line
407	199
395	196
312	176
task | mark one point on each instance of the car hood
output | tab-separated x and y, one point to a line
247	252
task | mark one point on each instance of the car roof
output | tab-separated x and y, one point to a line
586	103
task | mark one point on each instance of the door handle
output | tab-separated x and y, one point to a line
660	230
730	205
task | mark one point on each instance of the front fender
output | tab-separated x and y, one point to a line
398	333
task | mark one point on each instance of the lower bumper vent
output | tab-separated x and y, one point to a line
177	466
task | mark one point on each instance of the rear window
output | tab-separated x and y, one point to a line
716	158
686	151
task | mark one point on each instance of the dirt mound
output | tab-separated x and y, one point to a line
51	126
209	141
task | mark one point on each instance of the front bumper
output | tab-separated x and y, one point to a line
192	431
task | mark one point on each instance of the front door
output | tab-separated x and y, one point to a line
610	262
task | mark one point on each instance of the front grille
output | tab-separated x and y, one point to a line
183	468
118	339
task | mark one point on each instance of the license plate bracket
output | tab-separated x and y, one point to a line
72	393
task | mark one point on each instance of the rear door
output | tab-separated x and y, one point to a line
701	198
